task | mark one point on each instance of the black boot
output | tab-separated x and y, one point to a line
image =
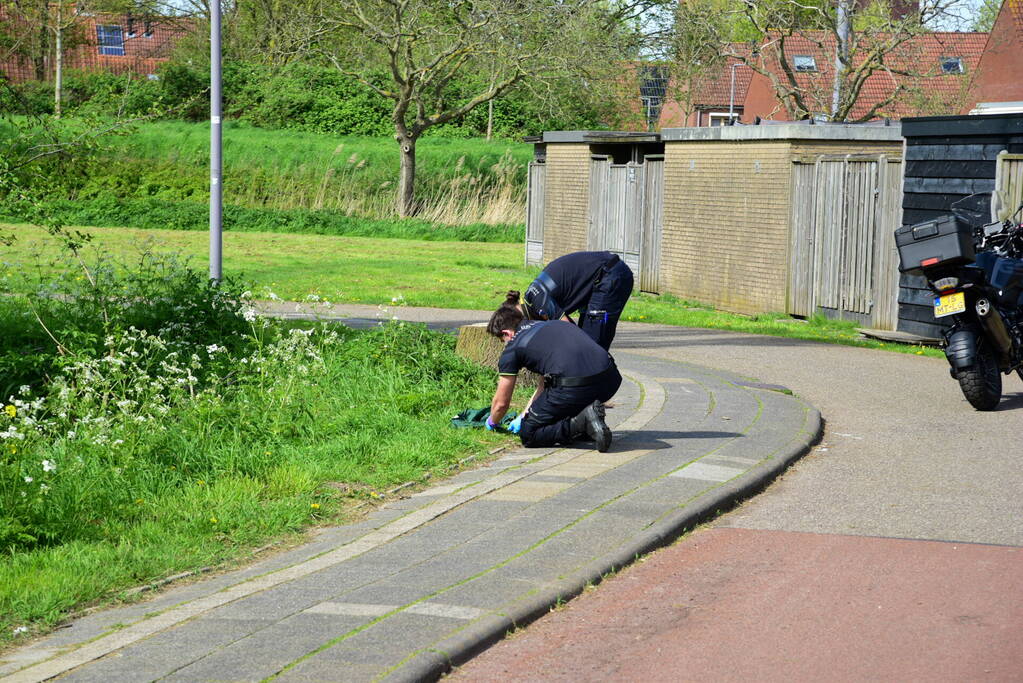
590	423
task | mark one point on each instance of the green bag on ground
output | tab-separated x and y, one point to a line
477	417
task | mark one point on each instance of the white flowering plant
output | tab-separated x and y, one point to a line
149	444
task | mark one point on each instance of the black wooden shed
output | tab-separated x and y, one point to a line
947	158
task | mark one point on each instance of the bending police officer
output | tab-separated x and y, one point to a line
596	284
578	376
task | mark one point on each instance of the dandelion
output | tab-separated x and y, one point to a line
213	520
10	410
49	466
315	506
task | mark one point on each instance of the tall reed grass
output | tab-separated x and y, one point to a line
459	182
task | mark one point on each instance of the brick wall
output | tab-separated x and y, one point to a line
726	223
145	43
566	204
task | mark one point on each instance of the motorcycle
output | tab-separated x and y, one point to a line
974	267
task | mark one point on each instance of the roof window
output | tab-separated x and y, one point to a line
952	65
110	40
804	63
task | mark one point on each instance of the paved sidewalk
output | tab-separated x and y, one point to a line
426	582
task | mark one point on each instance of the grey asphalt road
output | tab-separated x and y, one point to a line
903	455
891	552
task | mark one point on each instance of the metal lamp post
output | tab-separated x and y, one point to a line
731	94
216	143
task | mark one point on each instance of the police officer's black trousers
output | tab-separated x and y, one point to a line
599	319
549	419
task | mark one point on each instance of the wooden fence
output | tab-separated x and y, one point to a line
843	259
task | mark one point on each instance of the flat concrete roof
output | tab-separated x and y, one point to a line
788	131
600	136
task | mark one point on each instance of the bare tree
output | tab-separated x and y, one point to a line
413	52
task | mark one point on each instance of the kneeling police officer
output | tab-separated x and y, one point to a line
578	376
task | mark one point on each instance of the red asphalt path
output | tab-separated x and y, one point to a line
727	604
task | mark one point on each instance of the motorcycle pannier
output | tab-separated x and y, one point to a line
944	241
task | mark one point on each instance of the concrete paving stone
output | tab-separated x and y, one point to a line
542	565
641	507
373	651
529	490
409	549
468	477
275	603
559	478
459	563
450	529
490	591
345	576
385	515
709	472
734	410
164	652
468	521
677	492
411	503
385	592
96	624
758	446
604	529
530	526
267	651
345	533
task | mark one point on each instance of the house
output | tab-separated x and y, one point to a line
719	95
110	42
929	74
999	76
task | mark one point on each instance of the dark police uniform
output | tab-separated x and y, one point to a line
576	373
597	284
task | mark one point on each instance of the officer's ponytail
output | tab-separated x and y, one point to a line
507	316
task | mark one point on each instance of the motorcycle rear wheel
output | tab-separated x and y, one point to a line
982	382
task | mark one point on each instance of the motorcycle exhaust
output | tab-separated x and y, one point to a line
991	321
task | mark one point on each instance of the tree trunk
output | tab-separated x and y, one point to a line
58	75
841	54
39	59
407	178
490	119
475	344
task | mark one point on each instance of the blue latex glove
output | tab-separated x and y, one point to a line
490	425
515	426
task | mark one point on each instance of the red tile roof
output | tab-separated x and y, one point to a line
715	87
926	90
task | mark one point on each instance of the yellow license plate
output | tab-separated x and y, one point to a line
949	304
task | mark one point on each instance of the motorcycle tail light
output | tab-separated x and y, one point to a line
946	283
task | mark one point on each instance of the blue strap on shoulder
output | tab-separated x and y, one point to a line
540	297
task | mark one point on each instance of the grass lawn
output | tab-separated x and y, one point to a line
415	273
